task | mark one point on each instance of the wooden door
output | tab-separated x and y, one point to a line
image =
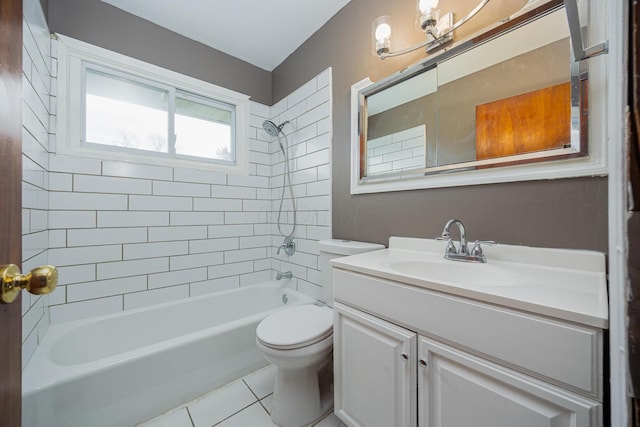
375	371
10	204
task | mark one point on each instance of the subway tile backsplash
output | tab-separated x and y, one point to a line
126	235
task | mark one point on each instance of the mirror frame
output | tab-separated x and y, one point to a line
561	163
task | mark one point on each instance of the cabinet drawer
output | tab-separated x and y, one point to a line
559	352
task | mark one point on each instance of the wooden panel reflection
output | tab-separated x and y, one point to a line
534	121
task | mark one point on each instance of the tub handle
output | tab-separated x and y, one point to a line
39	281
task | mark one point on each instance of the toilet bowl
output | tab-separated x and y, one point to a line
299	342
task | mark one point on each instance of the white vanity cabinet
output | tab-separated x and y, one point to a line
457	389
407	356
375	370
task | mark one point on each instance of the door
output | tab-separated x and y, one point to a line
375	371
457	389
10	204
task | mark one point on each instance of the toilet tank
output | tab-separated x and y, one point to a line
334	248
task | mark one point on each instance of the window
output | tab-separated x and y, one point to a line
118	108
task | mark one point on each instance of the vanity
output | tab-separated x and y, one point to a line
420	340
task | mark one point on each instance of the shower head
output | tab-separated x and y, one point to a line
272	129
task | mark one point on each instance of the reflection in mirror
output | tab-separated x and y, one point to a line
507	97
401	121
503	100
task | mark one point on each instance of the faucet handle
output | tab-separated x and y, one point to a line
477	249
451	248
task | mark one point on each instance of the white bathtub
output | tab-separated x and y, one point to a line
122	369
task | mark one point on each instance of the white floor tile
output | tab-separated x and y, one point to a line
261	382
220	404
330	421
233	405
254	416
179	418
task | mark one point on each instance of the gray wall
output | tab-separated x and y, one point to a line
570	213
103	25
45	8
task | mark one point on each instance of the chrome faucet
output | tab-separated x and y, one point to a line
451	249
288	245
463	254
284	275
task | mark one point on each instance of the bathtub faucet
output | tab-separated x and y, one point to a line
284	275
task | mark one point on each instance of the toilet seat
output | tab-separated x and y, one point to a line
296	327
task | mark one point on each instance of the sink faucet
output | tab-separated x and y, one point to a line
464	248
463	254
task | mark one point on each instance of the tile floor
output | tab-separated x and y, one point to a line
243	403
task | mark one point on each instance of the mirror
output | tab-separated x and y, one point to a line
493	104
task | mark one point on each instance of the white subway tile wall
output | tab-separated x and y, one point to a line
308	137
126	235
142	234
36	90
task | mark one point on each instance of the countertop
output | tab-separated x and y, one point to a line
561	283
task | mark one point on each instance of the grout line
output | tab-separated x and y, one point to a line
234	414
262	404
189	414
250	390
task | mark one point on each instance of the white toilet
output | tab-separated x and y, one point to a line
299	342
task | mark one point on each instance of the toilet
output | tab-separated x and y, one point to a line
299	342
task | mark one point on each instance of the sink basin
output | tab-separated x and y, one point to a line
456	272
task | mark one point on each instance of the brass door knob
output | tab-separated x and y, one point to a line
40	281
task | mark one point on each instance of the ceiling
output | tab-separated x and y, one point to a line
262	33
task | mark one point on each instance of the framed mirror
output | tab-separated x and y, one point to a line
506	105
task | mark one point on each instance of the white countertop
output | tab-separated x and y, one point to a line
560	283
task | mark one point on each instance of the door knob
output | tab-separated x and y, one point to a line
40	281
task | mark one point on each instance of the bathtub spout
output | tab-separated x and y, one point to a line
284	275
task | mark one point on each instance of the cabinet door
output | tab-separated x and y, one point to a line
375	371
457	389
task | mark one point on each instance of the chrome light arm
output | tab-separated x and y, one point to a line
406	50
438	38
469	15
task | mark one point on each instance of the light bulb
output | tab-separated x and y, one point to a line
381	35
383	32
426	5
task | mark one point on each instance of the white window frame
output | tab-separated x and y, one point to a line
73	55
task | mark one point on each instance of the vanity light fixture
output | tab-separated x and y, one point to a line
438	30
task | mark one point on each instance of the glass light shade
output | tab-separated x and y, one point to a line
428	15
381	35
383	32
426	5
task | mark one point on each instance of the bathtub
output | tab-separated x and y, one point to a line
125	368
